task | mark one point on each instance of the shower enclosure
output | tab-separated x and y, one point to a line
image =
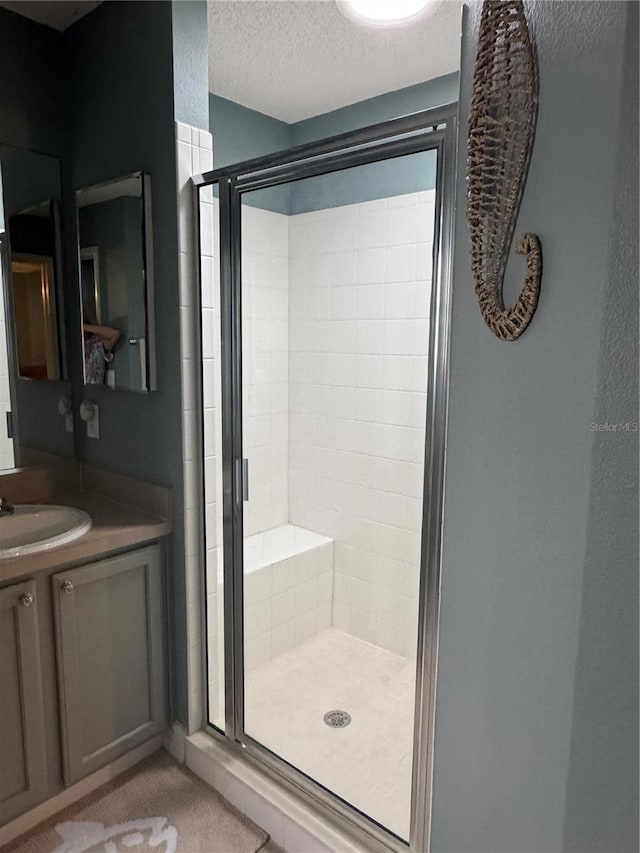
325	284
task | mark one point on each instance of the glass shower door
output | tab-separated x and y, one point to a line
336	273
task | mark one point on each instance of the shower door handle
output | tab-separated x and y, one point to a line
242	480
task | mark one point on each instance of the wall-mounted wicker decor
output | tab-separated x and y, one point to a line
502	123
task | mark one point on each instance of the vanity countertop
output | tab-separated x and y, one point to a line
115	526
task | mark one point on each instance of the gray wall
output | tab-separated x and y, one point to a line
536	748
190	62
128	81
33	116
240	133
32	107
422	96
117	128
601	812
103	97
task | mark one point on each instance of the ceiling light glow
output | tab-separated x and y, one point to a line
384	13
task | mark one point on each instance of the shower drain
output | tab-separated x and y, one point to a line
337	719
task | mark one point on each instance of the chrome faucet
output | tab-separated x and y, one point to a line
5	508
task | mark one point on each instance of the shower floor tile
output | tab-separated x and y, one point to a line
368	763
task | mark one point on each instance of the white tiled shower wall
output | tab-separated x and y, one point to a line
359	302
194	155
335	335
265	266
265	365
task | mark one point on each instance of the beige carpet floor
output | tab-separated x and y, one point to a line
156	807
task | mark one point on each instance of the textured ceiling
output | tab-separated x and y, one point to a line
293	59
59	14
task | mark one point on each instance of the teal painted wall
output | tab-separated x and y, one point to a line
379	180
103	96
536	739
402	102
601	809
33	111
128	82
409	174
190	62
240	134
32	98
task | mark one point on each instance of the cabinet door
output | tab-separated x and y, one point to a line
111	658
23	780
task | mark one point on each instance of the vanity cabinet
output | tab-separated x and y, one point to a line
23	779
110	650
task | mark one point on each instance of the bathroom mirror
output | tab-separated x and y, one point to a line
116	283
32	196
33	339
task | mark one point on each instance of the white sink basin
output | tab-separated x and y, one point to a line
31	528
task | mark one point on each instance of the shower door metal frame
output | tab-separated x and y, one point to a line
429	130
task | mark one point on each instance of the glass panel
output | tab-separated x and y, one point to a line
336	286
212	446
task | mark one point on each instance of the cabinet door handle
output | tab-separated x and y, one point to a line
26	599
66	586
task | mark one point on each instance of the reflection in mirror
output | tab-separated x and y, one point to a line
32	316
114	230
32	194
35	316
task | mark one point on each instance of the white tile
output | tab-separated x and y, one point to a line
426	218
285	700
400	263
343	303
208	382
230	787
370	337
283	607
399	301
318	269
207	282
343	268
422	299
296	840
371	228
183	161
206	230
318	236
370	301
371	266
283	637
399	336
402	225
209	328
266	816
183	132
344	228
424	261
368	404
